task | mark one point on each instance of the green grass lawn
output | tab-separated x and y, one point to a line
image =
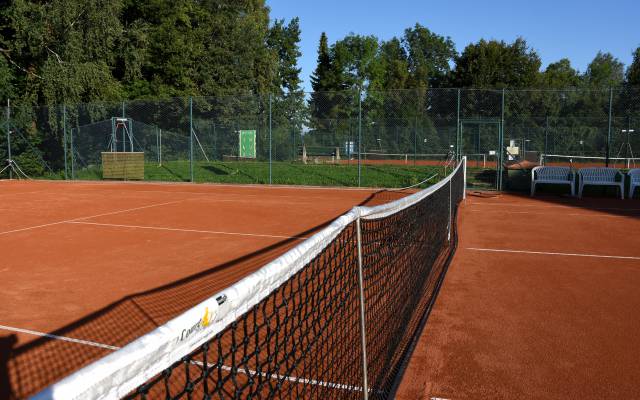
283	173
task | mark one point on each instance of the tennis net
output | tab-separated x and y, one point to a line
588	161
335	317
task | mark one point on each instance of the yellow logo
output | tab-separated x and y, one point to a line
206	319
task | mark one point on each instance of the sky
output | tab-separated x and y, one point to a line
557	29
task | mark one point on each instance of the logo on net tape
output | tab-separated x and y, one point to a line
199	326
206	320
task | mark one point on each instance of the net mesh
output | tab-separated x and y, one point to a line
293	329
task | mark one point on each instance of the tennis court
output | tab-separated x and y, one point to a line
541	302
89	267
178	290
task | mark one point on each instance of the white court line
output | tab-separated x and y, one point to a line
214	185
563	206
56	337
245	371
159	228
89	217
548	253
546	213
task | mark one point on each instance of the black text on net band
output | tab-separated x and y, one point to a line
294	328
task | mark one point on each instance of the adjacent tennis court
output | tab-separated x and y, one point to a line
541	301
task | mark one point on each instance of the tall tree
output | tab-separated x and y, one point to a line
605	70
429	56
560	75
496	64
64	50
633	72
321	78
289	104
285	41
184	47
355	62
395	65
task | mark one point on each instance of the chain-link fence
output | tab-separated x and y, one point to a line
348	138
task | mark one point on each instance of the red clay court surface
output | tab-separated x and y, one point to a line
541	301
104	263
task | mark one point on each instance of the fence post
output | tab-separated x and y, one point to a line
73	151
9	138
359	138
415	141
546	135
363	336
64	140
270	139
191	137
608	146
501	142
458	133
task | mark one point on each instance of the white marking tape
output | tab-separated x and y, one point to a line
89	217
56	337
553	253
159	228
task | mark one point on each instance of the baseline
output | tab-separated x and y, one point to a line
550	253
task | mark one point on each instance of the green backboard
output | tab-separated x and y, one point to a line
247	144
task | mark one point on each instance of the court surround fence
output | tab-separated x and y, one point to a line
347	138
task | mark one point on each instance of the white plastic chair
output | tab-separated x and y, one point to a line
554	175
601	177
634	177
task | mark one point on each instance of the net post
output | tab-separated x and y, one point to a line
464	172
191	137
365	384
160	147
64	140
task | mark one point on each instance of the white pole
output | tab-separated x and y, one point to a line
365	384
464	166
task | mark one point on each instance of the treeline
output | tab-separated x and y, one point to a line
406	102
422	59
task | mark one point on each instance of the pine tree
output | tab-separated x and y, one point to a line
320	80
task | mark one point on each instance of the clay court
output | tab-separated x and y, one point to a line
540	300
89	267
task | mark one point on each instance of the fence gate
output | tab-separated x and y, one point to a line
479	140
